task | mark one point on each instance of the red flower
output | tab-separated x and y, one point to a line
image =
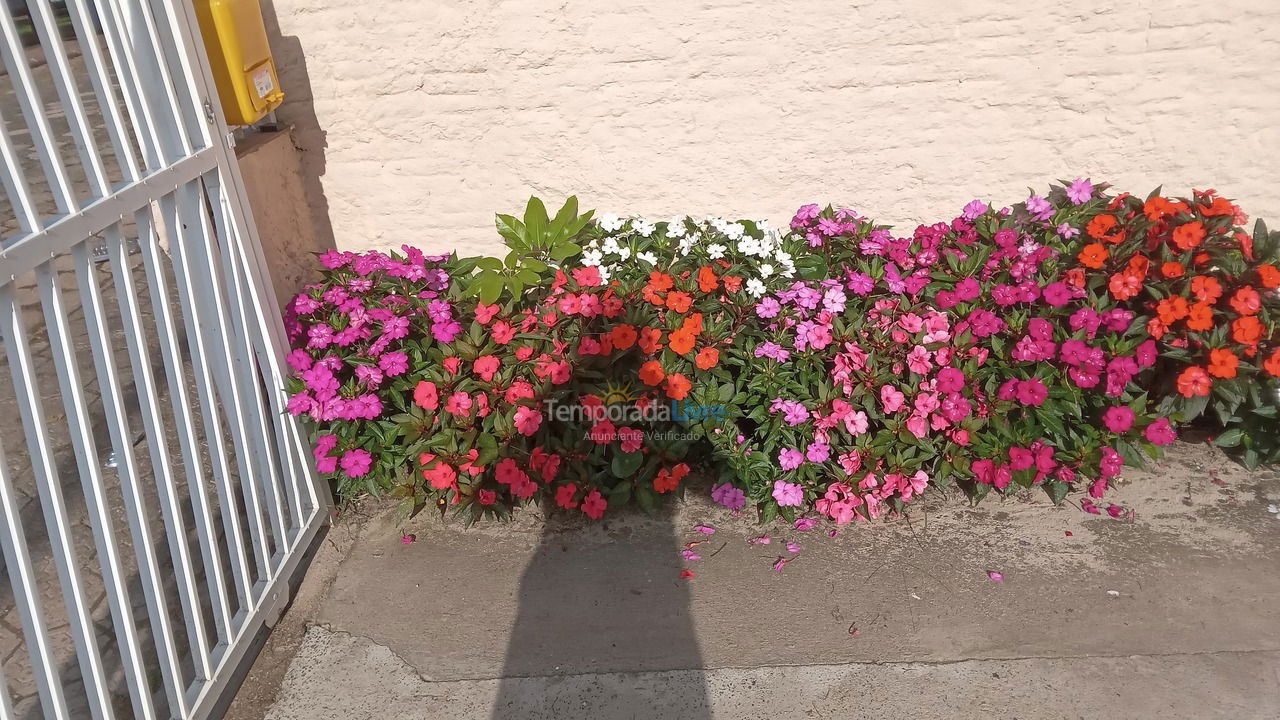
678	387
1246	301
1268	276
1189	236
1205	288
624	336
564	496
651	373
1222	363
1093	255
1272	364
593	505
1246	330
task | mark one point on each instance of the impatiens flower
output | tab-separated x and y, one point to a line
1160	432
729	496
594	505
1079	191
817	452
356	462
1193	381
527	420
1031	392
564	496
788	494
891	399
486	497
789	459
1118	419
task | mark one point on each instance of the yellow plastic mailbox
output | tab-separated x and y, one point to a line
243	70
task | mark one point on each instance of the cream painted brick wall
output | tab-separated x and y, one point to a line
436	114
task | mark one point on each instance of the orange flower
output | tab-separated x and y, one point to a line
1200	317
1171	270
1138	265
1220	206
681	342
1246	330
1158	207
623	336
1124	285
1193	382
1101	227
660	281
1206	288
678	387
1188	236
1222	363
707	280
732	283
651	373
1156	329
692	324
650	340
679	301
1272	364
1246	301
707	358
1172	309
1268	276
1093	255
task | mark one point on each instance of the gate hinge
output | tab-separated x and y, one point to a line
208	111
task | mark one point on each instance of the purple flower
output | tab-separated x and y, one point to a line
817	452
859	283
788	494
1039	208
729	496
768	307
1066	232
973	209
1057	294
1079	191
445	332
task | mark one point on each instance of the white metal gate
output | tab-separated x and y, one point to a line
154	498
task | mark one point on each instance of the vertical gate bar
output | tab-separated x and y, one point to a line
100	79
64	82
15	185
186	50
26	594
135	505
125	62
71	387
235	339
178	395
141	32
274	341
6	705
145	385
24	88
196	306
49	484
236	287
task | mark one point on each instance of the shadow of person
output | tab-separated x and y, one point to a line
603	628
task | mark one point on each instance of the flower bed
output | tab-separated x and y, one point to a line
829	367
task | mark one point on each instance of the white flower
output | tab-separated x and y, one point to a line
686	244
647	257
592	257
642	226
755	287
733	230
764	226
715	251
789	271
611	223
611	246
749	246
676	228
605	273
624	252
766	270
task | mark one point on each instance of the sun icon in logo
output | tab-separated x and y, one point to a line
615	393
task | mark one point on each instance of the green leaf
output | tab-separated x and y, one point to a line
490	284
535	222
1230	438
486	450
568	212
489	263
511	229
626	464
564	251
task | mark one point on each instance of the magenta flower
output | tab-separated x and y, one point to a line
393	363
1079	191
1160	432
729	496
1031	392
356	463
1118	419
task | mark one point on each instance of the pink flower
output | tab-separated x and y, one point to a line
527	420
729	496
458	404
485	313
630	439
486	497
817	452
603	432
891	399
393	363
950	380
564	496
486	366
1118	419
789	459
855	423
1031	392
788	494
918	360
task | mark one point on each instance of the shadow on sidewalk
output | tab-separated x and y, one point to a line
604	628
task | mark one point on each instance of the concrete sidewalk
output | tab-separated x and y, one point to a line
1173	613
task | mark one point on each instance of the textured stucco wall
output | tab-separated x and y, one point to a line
421	118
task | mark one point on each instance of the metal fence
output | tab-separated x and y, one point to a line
154	498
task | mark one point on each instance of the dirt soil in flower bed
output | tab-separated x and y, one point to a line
1010	609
